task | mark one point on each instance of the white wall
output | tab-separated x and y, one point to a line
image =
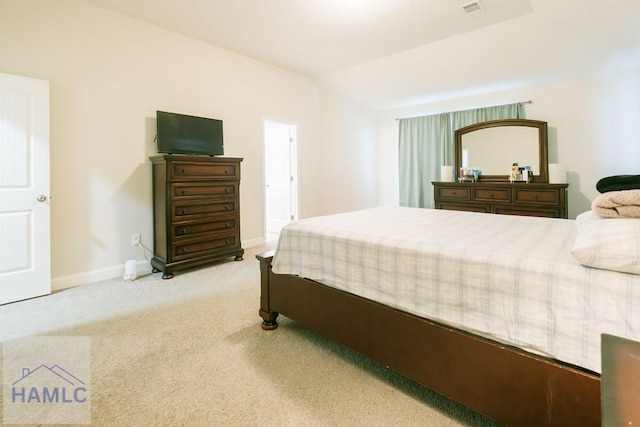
349	155
108	75
594	127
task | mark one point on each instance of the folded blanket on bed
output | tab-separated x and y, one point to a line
617	204
618	183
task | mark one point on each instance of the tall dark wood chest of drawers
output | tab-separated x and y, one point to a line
519	198
196	211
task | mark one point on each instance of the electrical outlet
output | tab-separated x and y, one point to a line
136	239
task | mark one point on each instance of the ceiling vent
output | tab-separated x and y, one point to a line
473	7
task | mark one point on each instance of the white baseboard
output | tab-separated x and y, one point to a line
253	242
65	282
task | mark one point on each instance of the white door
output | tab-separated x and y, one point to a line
280	176
25	263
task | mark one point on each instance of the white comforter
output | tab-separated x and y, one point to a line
508	277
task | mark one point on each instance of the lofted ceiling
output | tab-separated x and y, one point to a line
391	53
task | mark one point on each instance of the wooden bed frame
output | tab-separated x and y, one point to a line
504	383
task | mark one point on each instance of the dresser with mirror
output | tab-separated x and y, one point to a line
493	147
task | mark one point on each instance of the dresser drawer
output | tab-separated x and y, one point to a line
542	197
455	193
186	211
183	190
203	170
523	211
201	228
469	207
492	194
204	247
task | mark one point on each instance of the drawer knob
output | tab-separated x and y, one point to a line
491	195
227	189
182	171
227	224
227	207
454	193
183	192
535	197
184	211
184	231
226	171
226	241
184	250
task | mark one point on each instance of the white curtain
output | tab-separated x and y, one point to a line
427	143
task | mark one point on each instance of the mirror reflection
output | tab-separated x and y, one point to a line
494	146
494	150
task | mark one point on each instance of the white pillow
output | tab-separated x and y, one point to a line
607	243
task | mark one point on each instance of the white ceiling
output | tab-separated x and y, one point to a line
391	53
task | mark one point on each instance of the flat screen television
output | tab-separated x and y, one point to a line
183	134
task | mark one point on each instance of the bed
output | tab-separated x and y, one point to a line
500	313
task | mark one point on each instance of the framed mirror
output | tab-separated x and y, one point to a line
495	145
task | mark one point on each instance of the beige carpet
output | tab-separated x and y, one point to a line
190	351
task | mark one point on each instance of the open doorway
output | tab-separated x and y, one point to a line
281	205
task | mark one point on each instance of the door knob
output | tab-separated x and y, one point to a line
41	198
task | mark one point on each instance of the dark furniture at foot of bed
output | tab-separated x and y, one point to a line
507	384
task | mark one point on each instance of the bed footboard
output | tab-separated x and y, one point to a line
504	383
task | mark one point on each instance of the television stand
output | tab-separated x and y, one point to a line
196	211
